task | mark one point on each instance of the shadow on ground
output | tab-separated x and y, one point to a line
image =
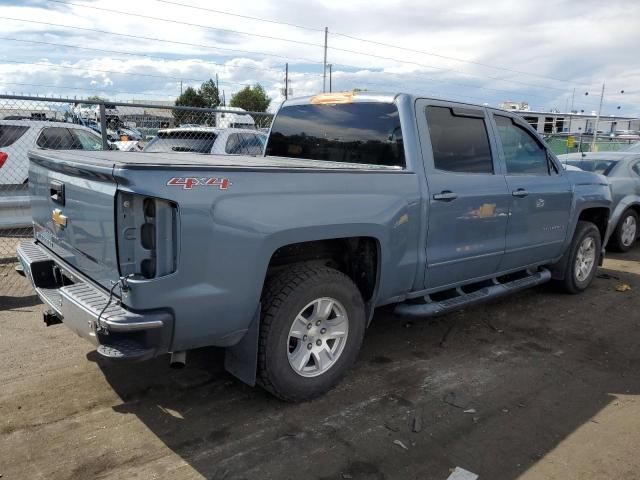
493	389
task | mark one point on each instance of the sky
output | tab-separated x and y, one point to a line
536	51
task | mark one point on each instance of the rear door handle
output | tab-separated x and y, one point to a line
445	196
521	192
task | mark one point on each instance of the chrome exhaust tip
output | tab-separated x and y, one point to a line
178	359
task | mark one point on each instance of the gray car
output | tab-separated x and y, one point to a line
622	170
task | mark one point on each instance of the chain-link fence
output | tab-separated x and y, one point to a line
562	143
31	123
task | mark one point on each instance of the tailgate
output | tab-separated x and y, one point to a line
72	203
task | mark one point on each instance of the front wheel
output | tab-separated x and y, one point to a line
312	327
582	258
626	232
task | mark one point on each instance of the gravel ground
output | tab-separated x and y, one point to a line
540	385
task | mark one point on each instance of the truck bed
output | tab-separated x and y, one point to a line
145	160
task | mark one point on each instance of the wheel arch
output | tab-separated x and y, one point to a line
360	257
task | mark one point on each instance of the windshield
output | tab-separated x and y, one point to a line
602	167
182	141
367	133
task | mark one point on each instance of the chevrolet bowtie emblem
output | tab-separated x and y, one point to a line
58	218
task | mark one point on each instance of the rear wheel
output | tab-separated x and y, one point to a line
626	232
582	258
312	328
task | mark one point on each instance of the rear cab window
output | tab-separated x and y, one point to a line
9	134
359	132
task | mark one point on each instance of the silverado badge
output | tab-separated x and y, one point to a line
58	218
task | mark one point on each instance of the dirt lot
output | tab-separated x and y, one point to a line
540	385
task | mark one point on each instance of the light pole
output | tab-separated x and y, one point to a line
595	127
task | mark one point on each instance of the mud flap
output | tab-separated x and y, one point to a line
241	360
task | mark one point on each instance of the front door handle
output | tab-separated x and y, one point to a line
445	196
521	192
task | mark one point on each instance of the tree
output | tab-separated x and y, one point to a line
189	98
210	93
252	99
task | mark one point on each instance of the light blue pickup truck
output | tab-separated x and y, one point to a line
362	200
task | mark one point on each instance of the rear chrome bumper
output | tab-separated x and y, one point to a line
80	303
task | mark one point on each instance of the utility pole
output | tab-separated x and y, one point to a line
595	128
286	81
217	84
573	96
324	70
330	75
180	87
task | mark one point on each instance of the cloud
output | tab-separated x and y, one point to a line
539	51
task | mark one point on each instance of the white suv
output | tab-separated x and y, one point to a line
17	137
218	141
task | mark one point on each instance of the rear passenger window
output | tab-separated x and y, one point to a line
10	133
460	143
523	154
56	138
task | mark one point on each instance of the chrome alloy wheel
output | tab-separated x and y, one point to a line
317	337
585	259
628	231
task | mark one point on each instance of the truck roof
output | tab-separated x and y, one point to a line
123	159
366	96
382	97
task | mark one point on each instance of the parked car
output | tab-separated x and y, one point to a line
17	137
222	141
622	170
362	200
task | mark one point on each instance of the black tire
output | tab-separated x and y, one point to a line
570	282
283	299
615	242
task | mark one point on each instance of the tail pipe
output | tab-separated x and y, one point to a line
178	359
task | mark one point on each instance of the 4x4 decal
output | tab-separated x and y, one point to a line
187	183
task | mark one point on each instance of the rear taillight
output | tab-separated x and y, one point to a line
3	158
147	244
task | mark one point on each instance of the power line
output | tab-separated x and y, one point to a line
446	57
299	42
313	29
154	39
120	52
160	19
374	42
70	67
224	65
